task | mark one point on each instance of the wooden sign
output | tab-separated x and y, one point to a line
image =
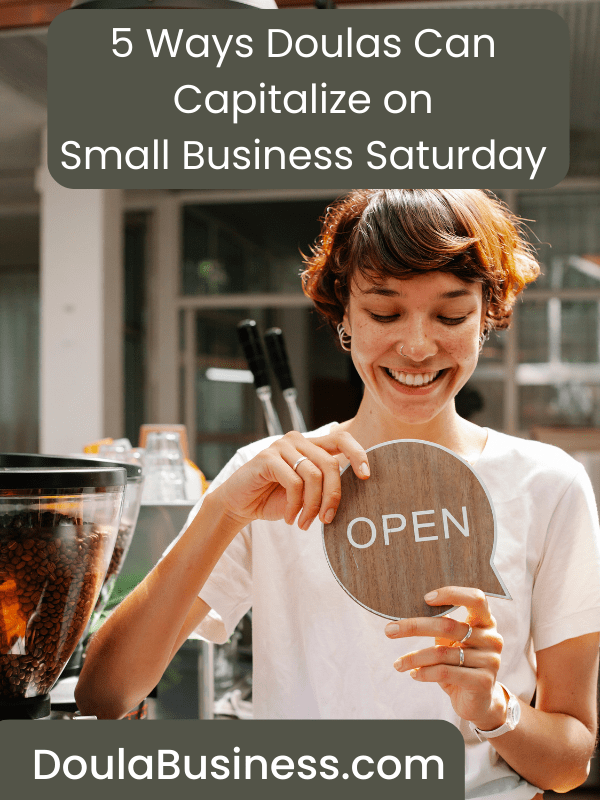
423	520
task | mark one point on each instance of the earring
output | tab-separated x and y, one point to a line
345	338
483	339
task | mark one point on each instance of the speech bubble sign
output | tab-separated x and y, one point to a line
423	520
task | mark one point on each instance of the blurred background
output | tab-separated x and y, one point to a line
114	304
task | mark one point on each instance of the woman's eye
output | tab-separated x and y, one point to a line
383	318
453	320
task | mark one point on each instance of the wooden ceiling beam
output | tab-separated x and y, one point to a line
40	13
30	13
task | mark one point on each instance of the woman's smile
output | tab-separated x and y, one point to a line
416	382
415	342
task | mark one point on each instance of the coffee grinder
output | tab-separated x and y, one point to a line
58	527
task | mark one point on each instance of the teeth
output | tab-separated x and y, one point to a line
412	378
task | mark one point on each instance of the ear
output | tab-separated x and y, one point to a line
346	322
344	301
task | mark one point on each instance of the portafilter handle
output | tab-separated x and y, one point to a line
281	367
253	351
257	363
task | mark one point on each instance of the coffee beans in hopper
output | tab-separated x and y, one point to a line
51	571
124	537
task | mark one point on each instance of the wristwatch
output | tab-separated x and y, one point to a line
513	715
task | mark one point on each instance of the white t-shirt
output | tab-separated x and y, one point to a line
319	655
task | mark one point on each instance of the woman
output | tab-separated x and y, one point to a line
412	280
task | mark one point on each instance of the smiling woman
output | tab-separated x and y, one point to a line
418	278
412	280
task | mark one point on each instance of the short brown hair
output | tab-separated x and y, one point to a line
400	233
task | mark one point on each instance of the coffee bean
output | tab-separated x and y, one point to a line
55	582
121	548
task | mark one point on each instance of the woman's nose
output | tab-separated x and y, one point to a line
415	343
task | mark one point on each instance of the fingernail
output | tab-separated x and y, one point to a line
431	596
413	673
398	665
392	628
329	515
364	468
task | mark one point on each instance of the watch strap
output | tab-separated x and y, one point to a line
513	715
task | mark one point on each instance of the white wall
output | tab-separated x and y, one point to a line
81	301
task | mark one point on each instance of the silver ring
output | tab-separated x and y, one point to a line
461	663
401	350
467	635
300	460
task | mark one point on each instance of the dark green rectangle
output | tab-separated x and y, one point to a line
415	760
450	97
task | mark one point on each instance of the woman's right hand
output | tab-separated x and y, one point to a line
267	487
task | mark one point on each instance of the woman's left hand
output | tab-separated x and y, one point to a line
472	687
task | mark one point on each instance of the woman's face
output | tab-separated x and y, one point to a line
415	342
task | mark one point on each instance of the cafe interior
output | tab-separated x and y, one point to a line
120	309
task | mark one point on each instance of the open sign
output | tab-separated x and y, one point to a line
423	520
416	524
